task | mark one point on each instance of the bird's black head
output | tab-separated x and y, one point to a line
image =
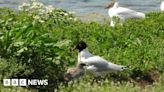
81	46
110	5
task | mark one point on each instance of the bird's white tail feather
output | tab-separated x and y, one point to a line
116	67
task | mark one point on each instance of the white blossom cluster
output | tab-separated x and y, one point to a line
41	12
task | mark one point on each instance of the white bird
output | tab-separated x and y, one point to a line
75	72
122	13
95	64
162	6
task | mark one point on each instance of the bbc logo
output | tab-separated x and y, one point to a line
24	82
14	82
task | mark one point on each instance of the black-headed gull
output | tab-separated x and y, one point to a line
162	6
95	64
122	13
75	72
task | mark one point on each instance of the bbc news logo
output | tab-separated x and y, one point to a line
24	82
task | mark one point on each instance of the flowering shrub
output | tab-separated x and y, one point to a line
41	13
30	49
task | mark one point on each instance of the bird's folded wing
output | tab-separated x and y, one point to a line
96	61
101	63
125	12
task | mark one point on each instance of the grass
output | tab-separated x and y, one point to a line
111	86
107	86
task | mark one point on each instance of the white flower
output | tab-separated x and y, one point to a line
39	12
62	13
25	4
42	11
75	19
71	12
41	21
36	17
20	7
65	14
37	5
33	0
49	8
70	18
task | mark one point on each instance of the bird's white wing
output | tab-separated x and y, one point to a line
128	13
96	61
102	64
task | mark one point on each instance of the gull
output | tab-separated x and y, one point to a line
122	13
75	72
162	6
95	64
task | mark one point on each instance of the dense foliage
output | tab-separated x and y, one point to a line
38	45
29	47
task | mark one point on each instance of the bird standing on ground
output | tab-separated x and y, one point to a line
122	13
75	72
162	6
95	64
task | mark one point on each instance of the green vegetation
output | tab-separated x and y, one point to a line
37	45
110	86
